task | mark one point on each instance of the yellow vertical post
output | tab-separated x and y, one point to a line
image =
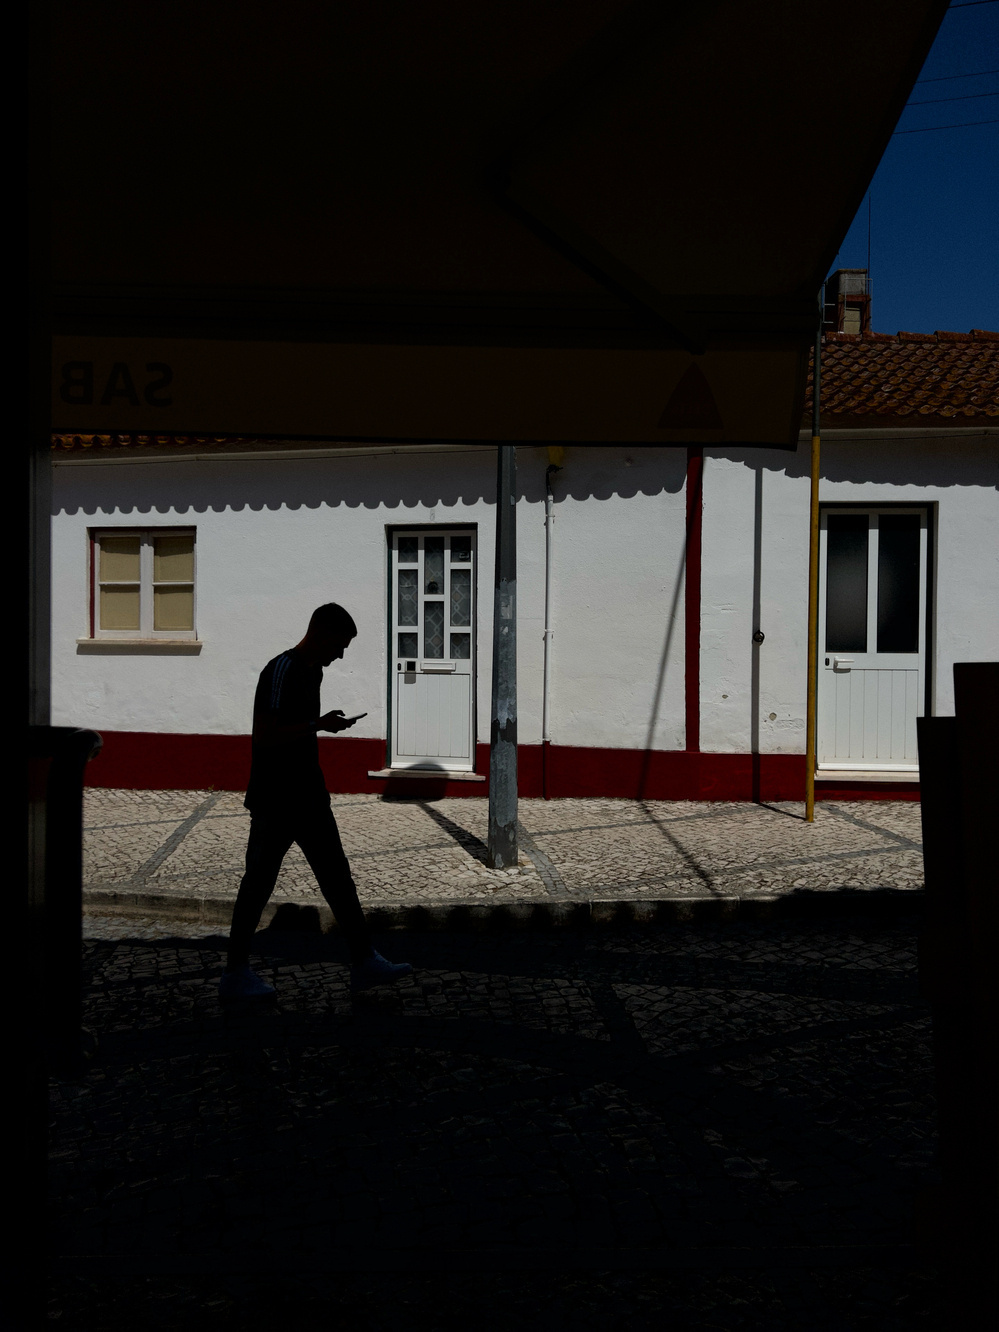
813	576
813	634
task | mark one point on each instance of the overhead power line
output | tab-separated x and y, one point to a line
960	125
944	78
965	97
979	73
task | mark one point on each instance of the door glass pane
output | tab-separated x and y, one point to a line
409	549
173	559
433	629
119	607
408	596
461	549
846	582
461	596
461	647
173	607
898	582
433	565
409	645
119	559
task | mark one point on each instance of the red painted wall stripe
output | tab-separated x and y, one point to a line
93	579
692	603
137	760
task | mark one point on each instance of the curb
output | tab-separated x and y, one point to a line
800	904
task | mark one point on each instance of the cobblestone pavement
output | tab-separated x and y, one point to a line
704	1126
182	851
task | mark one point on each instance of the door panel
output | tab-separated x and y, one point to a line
868	716
433	648
872	628
433	712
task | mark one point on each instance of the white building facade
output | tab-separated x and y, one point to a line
673	583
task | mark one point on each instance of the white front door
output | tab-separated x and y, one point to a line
432	661
872	637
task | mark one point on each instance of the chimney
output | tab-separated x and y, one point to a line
848	302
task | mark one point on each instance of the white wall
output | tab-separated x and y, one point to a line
276	537
761	497
755	536
617	590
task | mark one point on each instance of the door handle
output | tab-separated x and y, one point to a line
840	662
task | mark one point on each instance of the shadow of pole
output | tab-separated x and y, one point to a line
692	539
688	857
468	841
661	677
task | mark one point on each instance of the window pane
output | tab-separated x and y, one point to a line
173	559
119	607
408	596
409	645
461	596
409	550
461	647
846	582
119	559
898	582
461	549
433	629
433	565
173	607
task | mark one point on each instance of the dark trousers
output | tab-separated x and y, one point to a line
271	836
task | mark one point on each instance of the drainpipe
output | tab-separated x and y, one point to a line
546	687
503	732
813	573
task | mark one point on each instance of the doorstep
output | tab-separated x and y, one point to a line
442	774
838	775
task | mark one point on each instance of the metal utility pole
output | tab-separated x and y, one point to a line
503	734
813	572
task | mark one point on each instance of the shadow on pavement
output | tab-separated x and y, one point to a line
720	1125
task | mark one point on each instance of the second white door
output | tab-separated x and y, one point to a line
872	637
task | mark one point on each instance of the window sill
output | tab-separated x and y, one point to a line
141	646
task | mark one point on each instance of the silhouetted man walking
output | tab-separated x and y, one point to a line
288	802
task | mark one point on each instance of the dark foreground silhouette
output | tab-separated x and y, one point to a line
724	1126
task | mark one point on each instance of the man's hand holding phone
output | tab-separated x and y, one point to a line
335	721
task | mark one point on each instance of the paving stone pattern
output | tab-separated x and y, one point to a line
183	851
718	1125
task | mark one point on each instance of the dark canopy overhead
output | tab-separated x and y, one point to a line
659	185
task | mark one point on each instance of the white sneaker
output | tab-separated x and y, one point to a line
244	984
377	970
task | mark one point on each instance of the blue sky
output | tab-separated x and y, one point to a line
934	201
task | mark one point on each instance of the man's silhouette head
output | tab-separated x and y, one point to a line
331	631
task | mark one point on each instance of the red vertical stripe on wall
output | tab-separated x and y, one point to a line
692	603
93	577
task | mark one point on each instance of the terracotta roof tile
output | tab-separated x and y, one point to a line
924	379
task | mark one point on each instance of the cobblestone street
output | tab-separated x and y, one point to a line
711	1123
181	852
